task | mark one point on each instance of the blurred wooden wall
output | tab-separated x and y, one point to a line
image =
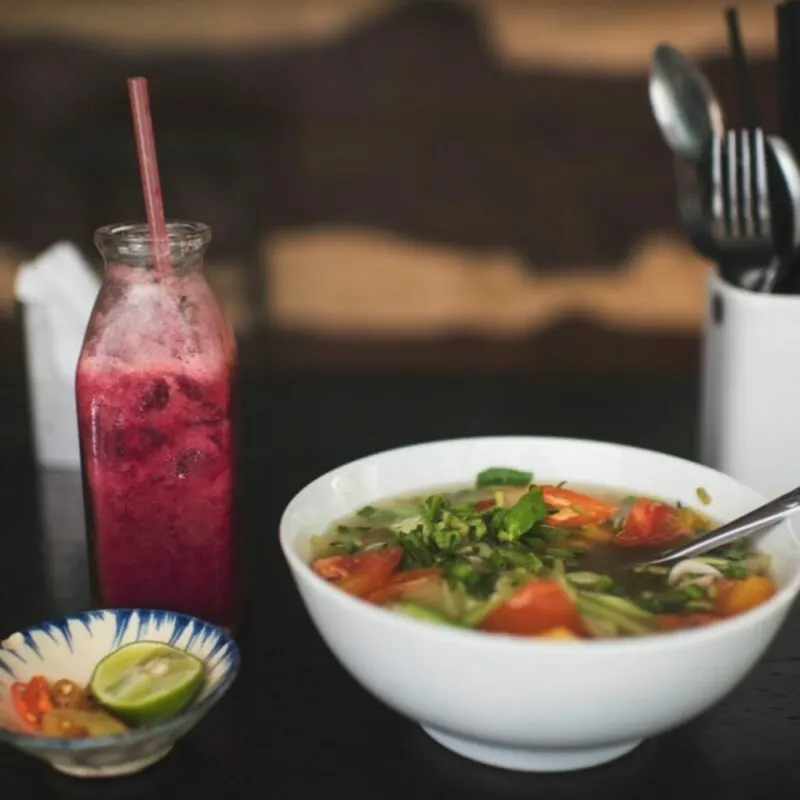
598	34
346	277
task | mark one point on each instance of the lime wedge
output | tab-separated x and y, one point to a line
145	682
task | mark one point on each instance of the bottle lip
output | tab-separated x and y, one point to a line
133	240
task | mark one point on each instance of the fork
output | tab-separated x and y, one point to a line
741	219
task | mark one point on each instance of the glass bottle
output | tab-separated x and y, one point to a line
154	388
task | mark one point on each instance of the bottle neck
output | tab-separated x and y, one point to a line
129	250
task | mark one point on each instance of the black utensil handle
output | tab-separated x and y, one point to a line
746	101
787	21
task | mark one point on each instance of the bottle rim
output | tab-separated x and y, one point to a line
133	240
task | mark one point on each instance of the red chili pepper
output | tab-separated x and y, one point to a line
27	717
32	701
37	695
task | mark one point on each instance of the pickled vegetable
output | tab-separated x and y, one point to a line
74	723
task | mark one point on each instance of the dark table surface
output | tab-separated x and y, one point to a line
294	720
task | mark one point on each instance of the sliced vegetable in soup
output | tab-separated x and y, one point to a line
511	556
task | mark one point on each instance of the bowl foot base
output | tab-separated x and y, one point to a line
111	770
530	760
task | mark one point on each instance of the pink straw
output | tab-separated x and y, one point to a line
148	167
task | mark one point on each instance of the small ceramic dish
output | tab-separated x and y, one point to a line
72	646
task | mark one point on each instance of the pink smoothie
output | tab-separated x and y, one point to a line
154	413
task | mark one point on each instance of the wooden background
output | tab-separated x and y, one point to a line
380	174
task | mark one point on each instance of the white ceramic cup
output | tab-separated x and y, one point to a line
750	398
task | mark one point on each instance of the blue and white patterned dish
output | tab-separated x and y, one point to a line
72	646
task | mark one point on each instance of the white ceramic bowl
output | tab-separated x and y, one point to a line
71	647
522	703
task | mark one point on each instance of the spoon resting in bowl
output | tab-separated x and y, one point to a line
759	519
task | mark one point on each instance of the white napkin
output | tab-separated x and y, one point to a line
57	290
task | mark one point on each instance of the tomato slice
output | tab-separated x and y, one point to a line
737	596
362	573
575	508
536	607
650	523
402	582
484	505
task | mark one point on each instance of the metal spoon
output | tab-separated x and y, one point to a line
786	201
764	517
683	102
791	173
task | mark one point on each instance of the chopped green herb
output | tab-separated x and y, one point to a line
564	552
503	476
460	570
703	495
485	549
712	561
551	533
527	560
347	546
521	517
590	580
446	539
735	551
651	569
415	554
735	571
670	600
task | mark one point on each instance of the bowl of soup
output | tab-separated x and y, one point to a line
487	589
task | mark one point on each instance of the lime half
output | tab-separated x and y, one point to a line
145	682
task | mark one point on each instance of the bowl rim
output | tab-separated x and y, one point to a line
520	644
137	734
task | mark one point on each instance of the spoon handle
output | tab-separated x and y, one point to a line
763	517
